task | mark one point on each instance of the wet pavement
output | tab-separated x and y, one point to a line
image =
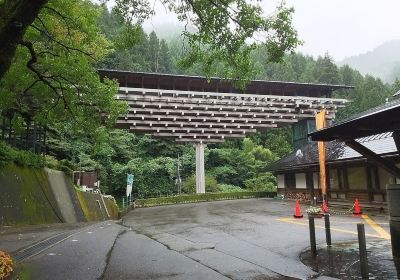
342	261
237	239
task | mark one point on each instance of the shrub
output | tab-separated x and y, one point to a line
189	185
20	157
6	265
66	166
63	165
200	198
263	182
230	188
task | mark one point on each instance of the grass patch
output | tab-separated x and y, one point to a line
147	202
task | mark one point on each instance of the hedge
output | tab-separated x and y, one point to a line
147	202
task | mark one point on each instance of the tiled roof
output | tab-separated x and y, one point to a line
376	120
336	151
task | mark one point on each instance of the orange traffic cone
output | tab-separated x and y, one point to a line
325	207
357	208
297	211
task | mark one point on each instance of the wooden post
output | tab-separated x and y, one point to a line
363	251
328	230
313	243
320	124
396	138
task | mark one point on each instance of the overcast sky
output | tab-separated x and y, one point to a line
341	27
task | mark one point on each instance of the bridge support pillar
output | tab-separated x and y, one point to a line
200	174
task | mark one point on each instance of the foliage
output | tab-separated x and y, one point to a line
52	81
19	157
6	265
230	188
263	182
189	185
201	197
234	165
223	32
62	165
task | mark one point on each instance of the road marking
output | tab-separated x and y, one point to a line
376	227
296	222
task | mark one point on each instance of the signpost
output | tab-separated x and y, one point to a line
129	184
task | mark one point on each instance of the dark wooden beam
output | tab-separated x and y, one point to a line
373	157
396	138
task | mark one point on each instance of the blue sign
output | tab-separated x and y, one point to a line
129	179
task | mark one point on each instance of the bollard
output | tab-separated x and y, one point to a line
328	230
123	202
363	251
313	243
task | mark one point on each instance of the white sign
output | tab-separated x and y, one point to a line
129	183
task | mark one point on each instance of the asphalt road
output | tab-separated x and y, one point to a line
242	239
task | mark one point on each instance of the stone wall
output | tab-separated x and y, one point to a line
43	196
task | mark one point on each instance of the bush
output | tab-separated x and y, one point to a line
66	166
263	182
20	157
200	198
189	185
230	188
6	265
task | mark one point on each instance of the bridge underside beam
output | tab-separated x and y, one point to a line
202	117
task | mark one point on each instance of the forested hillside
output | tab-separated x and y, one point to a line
382	62
114	153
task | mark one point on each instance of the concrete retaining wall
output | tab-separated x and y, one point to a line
65	196
26	197
93	207
42	196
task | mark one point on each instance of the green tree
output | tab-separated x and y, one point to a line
223	29
189	185
154	52
52	79
326	71
165	62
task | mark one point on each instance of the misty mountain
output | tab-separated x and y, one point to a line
382	62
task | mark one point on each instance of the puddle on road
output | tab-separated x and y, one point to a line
342	261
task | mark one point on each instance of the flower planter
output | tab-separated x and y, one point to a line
316	215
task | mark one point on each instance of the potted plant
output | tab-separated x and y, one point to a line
314	212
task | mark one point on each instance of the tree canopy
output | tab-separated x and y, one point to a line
222	29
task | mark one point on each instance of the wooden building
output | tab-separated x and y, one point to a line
349	174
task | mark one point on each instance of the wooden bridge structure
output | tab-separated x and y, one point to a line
198	110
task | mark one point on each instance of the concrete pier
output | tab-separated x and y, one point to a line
200	174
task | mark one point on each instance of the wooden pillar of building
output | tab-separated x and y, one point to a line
393	192
320	124
200	173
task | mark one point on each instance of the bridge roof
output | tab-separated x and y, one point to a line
189	109
214	84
